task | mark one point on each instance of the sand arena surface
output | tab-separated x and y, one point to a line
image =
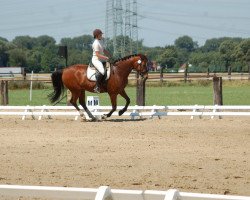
200	155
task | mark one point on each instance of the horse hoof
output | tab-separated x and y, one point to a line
94	120
83	119
104	116
120	112
90	120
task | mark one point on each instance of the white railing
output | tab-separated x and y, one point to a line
133	111
106	193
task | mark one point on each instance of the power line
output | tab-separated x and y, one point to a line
54	24
199	15
197	25
166	32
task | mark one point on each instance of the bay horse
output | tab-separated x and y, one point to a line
75	79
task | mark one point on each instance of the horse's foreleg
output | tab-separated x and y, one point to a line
125	96
113	98
83	104
75	96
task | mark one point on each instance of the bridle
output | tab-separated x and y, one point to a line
141	67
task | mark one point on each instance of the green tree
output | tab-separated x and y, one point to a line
197	58
49	60
25	42
211	45
186	43
226	50
86	56
34	61
248	60
169	57
3	53
87	42
5	47
75	57
17	57
67	42
44	41
242	53
183	57
154	52
3	39
202	61
83	42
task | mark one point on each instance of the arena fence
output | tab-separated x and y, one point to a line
106	193
37	112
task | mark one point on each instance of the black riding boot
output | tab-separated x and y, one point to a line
99	78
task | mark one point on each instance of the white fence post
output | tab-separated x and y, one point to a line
44	109
103	193
216	110
154	111
135	113
27	110
172	194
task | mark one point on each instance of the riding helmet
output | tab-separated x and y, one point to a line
97	32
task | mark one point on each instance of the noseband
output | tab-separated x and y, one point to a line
141	68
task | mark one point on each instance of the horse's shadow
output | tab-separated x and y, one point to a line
122	120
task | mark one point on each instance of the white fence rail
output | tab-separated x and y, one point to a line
104	193
133	111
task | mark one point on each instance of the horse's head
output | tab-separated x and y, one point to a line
140	65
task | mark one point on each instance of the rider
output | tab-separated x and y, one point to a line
100	54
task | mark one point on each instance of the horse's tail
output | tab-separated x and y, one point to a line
58	86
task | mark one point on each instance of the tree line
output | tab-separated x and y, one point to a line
40	54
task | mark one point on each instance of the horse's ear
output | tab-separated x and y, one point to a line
139	61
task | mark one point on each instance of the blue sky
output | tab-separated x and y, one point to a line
160	22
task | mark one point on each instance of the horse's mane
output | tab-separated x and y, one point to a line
130	56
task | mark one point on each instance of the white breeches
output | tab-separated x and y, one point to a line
98	65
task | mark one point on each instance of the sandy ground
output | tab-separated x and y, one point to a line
200	155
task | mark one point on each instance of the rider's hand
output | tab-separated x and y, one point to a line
110	60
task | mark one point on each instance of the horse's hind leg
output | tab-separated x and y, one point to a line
113	98
125	96
73	100
83	104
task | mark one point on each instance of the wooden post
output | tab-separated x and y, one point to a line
23	72
161	75
229	72
217	86
4	93
140	91
185	74
248	71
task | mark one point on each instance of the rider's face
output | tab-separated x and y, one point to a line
99	37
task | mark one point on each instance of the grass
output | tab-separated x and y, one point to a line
22	97
234	93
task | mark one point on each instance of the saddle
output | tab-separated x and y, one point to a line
91	71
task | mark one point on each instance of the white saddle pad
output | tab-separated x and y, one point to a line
92	70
